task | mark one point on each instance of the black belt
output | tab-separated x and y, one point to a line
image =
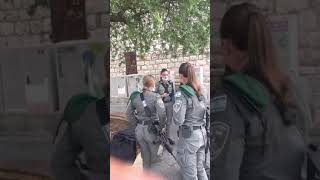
148	122
194	127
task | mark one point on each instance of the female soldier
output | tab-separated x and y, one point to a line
188	113
143	110
165	88
258	123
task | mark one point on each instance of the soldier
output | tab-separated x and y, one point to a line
144	109
82	152
86	133
258	131
189	114
165	88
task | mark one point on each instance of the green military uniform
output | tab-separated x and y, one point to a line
251	139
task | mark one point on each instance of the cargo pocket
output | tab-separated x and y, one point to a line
149	137
180	157
191	155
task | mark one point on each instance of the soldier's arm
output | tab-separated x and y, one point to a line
227	141
157	88
130	114
63	158
179	108
161	111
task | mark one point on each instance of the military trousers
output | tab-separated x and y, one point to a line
169	114
191	155
149	149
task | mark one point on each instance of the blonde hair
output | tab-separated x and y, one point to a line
148	82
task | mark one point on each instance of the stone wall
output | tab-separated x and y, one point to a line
18	29
152	64
308	12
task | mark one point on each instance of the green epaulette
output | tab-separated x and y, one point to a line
188	90
133	95
250	90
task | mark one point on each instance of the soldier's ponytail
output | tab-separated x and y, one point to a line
249	31
188	71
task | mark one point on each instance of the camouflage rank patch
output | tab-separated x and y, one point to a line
219	103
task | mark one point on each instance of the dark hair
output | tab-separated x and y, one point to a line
187	70
248	29
163	70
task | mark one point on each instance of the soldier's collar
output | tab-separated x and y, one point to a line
251	91
187	89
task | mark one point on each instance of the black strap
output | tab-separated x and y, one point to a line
57	131
166	86
146	108
166	90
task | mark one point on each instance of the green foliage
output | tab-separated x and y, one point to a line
176	25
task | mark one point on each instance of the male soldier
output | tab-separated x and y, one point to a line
144	110
165	88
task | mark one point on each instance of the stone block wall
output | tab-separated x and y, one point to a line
19	29
152	64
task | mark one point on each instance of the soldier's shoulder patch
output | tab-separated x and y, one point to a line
177	94
177	105
219	103
220	135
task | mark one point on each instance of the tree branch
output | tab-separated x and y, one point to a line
141	13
